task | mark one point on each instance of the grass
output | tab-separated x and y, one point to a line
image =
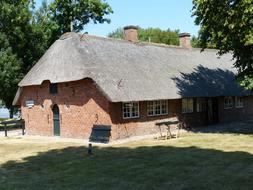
3	119
195	161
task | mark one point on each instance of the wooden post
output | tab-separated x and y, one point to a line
90	152
5	129
168	131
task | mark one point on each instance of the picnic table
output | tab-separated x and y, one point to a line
169	124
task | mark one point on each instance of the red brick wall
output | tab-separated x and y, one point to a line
235	114
138	126
81	105
146	124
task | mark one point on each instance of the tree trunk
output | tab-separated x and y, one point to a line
11	111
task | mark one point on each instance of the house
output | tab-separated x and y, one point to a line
85	80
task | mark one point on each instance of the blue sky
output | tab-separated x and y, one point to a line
164	14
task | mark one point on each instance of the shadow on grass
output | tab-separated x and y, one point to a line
156	167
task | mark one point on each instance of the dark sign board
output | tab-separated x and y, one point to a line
100	133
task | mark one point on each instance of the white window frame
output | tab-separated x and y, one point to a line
239	102
228	105
200	105
152	106
130	110
188	109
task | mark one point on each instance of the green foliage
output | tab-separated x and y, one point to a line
45	26
196	43
20	46
9	72
118	33
155	35
78	13
1	104
229	25
15	17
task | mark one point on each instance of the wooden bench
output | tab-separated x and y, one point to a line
168	124
13	124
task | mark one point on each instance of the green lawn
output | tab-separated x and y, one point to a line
194	161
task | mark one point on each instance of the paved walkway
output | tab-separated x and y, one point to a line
240	127
18	134
12	133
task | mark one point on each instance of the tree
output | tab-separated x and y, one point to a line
45	26
15	18
61	16
16	46
118	33
229	25
77	13
155	35
196	43
9	73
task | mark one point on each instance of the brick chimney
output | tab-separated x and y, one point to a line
185	40
131	33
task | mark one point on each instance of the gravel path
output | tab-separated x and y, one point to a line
242	127
12	133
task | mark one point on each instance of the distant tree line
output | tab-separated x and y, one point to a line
196	43
155	35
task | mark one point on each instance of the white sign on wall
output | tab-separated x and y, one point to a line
29	103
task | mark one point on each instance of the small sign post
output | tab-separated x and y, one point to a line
90	153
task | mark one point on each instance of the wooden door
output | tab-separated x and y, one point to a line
215	104
213	110
56	120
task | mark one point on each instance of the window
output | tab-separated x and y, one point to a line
228	102
201	105
159	107
130	110
239	103
187	105
53	88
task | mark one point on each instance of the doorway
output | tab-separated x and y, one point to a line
213	110
56	120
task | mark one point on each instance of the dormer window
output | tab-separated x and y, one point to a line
53	88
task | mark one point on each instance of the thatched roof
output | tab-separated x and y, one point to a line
127	71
